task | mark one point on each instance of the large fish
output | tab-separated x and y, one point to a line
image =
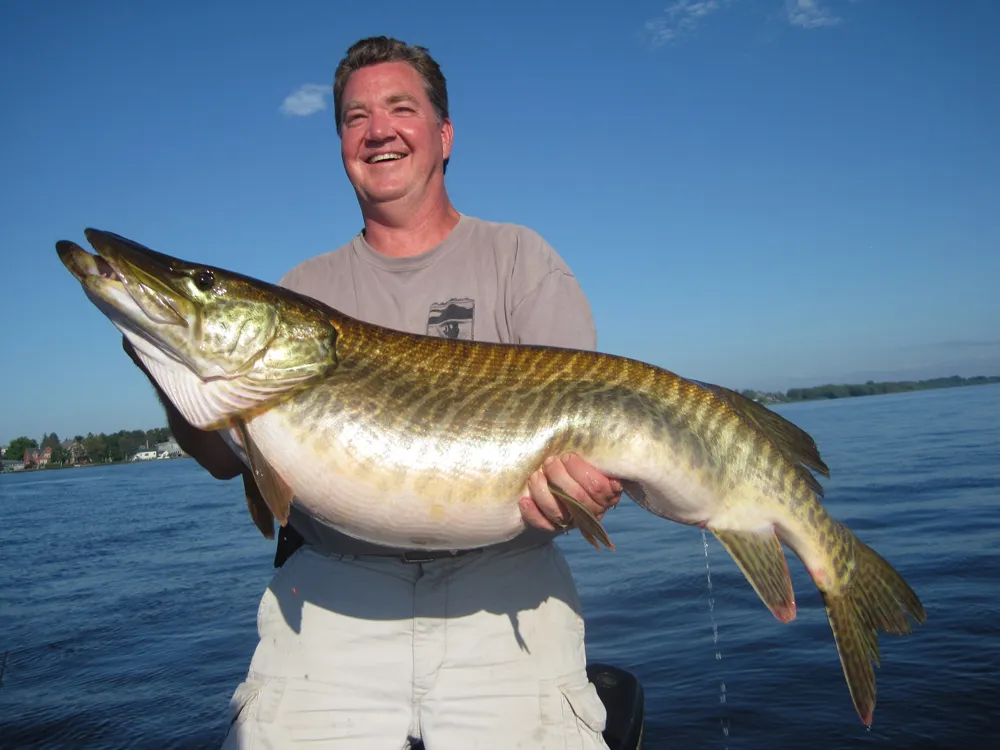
424	442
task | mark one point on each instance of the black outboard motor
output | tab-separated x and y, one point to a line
623	697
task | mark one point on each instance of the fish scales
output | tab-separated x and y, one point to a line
425	442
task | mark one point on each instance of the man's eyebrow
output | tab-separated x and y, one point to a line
392	99
396	98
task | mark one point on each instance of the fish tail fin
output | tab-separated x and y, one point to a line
877	598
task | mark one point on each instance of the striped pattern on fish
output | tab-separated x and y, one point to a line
425	442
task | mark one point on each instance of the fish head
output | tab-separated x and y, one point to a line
219	344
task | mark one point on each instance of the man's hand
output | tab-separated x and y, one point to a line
576	478
207	448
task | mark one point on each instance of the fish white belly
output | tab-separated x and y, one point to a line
669	485
341	479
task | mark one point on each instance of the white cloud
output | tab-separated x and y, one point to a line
809	14
307	99
682	16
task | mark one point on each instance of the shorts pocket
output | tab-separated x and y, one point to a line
575	713
252	703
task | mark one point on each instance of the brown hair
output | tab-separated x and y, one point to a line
381	49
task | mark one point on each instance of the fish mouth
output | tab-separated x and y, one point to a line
82	264
125	275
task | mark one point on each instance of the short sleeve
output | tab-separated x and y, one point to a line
555	313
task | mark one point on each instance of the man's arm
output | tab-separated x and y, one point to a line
556	313
207	448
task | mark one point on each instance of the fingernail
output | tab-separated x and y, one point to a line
616	485
548	461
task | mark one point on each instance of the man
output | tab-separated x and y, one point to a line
364	646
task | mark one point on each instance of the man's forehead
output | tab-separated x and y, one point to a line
397	76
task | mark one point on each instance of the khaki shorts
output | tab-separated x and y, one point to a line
484	651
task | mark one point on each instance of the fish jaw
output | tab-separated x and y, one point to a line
220	345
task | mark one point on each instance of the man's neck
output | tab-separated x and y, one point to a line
402	233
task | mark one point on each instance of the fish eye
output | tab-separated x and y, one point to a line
204	280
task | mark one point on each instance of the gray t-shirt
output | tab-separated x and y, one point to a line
486	281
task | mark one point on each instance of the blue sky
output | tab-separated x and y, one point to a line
758	193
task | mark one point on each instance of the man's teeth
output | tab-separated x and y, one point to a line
385	157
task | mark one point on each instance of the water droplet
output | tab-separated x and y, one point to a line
724	720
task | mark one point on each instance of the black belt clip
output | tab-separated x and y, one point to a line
415	556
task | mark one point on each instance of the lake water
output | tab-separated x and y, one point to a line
128	598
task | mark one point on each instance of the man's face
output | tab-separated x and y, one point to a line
391	141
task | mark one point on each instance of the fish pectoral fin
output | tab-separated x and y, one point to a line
760	557
262	517
587	522
277	495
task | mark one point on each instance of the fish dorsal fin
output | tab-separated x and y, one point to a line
793	441
276	493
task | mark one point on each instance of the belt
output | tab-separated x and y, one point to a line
289	540
422	556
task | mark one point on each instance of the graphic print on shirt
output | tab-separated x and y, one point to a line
453	319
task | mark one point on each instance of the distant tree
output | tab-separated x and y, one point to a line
158	435
19	445
51	440
95	448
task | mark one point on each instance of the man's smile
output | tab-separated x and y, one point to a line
384	157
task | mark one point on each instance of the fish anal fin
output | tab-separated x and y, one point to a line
276	493
262	517
585	521
759	555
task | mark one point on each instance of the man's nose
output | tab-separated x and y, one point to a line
379	126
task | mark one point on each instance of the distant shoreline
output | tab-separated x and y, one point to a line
870	388
88	465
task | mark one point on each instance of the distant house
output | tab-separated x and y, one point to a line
11	465
38	457
76	451
169	449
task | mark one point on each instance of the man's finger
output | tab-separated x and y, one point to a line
547	503
557	473
533	516
602	490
